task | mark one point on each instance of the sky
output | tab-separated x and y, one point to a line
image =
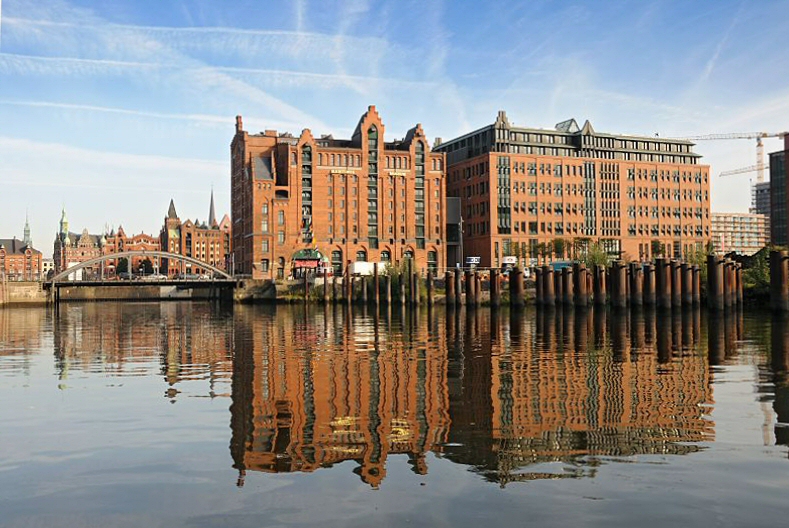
111	108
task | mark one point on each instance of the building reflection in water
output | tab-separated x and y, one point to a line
572	387
323	387
182	341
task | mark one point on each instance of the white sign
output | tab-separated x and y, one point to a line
473	260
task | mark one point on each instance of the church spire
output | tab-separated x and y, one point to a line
171	214
27	240
212	213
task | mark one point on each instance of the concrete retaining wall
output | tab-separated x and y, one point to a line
139	293
22	293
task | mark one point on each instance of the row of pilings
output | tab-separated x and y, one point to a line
779	281
404	288
663	284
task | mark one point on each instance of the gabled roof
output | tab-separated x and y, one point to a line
14	246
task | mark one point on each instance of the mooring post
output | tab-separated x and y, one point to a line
477	288
567	286
429	287
696	286
738	282
636	284
779	281
558	287
687	283
449	288
325	286
618	285
648	291
376	285
727	286
538	286
495	298
469	284
516	288
599	285
662	283
676	283
548	287
388	289
580	293
714	283
458	287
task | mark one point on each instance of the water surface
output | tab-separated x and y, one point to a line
189	414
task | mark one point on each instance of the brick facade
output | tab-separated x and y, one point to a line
522	189
337	200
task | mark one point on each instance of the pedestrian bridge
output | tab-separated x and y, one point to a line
220	285
63	275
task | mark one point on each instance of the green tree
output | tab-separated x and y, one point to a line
122	266
559	247
658	248
147	266
595	255
757	277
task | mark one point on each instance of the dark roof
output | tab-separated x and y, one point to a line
14	246
211	212
171	211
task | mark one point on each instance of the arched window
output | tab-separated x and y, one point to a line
432	260
408	254
336	261
361	256
386	256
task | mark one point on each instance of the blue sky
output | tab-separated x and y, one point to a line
110	108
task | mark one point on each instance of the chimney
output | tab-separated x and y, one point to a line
239	124
437	142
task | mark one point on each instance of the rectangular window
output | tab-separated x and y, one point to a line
281	237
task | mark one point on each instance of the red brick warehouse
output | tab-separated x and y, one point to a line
358	199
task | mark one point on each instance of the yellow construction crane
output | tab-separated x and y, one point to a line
758	136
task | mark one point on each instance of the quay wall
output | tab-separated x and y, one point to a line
22	293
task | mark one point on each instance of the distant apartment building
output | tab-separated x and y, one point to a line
300	203
527	192
19	260
743	233
779	196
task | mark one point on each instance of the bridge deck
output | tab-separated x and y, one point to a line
191	283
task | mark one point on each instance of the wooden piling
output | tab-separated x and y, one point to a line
779	281
662	283
538	286
618	285
469	288
449	287
599	285
567	286
714	283
648	285
558	287
580	293
376	285
388	289
727	283
738	280
636	284
676	283
686	272
495	296
696	286
548	287
458	287
516	288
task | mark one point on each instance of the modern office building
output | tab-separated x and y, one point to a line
743	233
301	203
531	192
779	181
760	201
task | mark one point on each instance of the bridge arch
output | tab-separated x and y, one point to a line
137	253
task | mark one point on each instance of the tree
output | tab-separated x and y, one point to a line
658	248
595	255
122	266
147	266
558	247
540	248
